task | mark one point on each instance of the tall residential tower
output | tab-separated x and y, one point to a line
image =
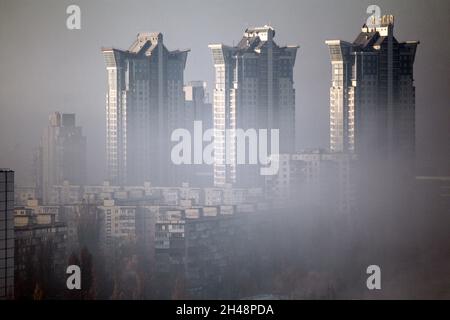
372	94
254	88
144	103
197	108
61	155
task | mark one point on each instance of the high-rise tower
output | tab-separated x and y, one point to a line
197	108
372	94
144	103
253	89
61	155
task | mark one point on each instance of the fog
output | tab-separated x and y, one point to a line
46	67
305	249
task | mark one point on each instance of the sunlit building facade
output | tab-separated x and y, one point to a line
372	94
144	104
254	88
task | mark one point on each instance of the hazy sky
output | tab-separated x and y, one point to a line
44	67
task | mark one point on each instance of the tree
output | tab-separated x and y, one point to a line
38	293
87	274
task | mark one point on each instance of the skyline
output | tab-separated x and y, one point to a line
84	95
224	150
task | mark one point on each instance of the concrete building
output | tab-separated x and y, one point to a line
372	94
73	216
254	88
197	108
40	249
328	180
23	193
6	234
315	179
144	104
61	155
283	187
209	235
67	194
117	224
39	209
170	241
127	222
197	245
145	232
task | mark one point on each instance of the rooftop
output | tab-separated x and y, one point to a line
144	44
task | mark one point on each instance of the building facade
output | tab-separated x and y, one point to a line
117	224
316	179
254	88
6	234
372	94
40	252
197	109
61	155
144	104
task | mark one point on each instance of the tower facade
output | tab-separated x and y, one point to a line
253	89
372	94
61	155
197	108
197	105
144	104
6	234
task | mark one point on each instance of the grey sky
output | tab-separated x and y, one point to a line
44	67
